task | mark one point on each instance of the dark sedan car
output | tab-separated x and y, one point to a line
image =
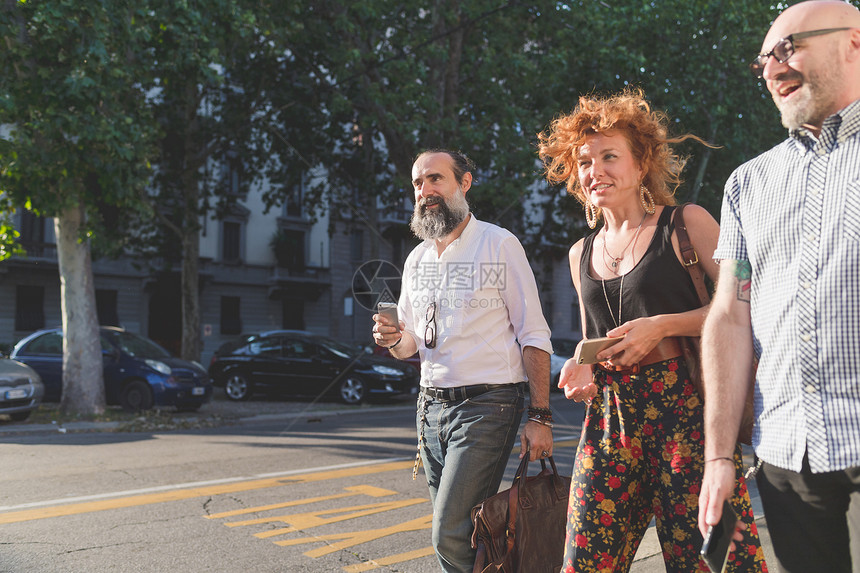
138	373
301	363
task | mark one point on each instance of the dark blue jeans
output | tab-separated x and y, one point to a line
467	445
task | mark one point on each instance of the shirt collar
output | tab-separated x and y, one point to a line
836	129
468	231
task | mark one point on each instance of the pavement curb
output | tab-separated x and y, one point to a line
114	426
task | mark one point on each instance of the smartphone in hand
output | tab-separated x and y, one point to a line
718	540
587	349
389	310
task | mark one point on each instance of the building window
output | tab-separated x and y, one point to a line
231	321
29	308
289	248
293	314
293	206
106	307
231	241
231	174
357	246
32	228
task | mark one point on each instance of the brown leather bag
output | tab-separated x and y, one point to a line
522	529
692	350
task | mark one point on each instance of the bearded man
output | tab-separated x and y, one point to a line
470	307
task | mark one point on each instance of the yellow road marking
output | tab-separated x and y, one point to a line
182	494
299	521
390	560
350	491
352	538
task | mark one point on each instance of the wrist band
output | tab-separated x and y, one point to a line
543	411
720	458
396	343
543	422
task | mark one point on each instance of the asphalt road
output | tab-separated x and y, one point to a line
288	488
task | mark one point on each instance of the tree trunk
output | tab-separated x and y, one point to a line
83	383
190	296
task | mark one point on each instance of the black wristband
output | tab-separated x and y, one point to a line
546	412
396	343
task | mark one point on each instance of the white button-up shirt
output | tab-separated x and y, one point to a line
487	308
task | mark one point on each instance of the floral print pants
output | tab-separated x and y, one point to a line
641	456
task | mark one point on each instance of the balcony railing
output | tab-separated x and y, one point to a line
319	275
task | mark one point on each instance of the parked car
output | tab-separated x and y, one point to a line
21	389
414	360
297	362
138	373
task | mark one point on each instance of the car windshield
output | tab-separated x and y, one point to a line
338	348
137	346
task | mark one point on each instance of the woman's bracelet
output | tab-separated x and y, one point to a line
540	421
396	343
720	458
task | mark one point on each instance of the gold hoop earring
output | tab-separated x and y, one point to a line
590	214
647	200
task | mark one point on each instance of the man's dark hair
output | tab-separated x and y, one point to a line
461	163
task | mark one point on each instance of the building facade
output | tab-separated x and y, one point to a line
258	271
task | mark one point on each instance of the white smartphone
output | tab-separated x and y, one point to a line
587	349
389	310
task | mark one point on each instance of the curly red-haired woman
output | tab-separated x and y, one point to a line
642	446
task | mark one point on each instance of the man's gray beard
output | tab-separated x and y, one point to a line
431	224
813	105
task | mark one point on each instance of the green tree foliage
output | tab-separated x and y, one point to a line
74	148
207	156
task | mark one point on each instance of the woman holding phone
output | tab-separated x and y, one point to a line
641	452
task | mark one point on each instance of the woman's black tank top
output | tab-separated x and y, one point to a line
658	284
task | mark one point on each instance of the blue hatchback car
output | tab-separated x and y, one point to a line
138	373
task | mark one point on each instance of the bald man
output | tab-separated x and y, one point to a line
789	289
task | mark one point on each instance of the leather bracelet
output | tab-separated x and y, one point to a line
542	422
539	417
720	458
544	411
396	343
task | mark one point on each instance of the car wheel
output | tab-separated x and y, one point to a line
136	396
20	416
352	390
237	387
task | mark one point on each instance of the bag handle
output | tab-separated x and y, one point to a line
516	493
689	255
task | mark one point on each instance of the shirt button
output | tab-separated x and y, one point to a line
806	337
810	389
811	237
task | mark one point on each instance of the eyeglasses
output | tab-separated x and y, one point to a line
430	329
784	49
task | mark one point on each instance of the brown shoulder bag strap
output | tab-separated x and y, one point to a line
689	255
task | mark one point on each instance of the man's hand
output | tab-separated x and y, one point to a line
577	381
718	485
536	439
384	332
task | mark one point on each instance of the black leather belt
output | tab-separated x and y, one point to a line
462	392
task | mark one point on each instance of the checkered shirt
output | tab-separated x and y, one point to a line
794	214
